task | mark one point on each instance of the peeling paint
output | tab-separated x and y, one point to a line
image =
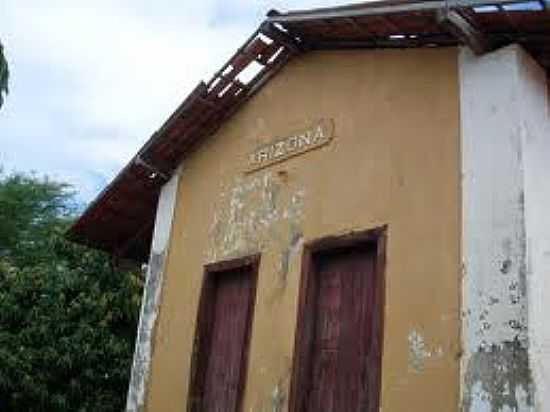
145	337
278	399
150	305
292	250
420	352
254	211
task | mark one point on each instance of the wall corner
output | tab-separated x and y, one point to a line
151	300
496	372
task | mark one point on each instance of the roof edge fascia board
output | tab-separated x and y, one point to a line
384	8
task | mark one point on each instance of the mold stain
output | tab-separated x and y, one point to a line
498	377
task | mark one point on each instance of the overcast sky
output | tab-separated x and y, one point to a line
91	80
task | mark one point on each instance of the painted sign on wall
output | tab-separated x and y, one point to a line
282	148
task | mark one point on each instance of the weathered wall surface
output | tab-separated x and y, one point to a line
535	135
505	151
152	297
394	160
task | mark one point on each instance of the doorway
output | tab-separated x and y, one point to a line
337	360
222	335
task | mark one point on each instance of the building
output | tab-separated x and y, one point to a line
351	215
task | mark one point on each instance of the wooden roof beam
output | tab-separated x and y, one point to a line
463	30
511	22
388	23
146	228
279	36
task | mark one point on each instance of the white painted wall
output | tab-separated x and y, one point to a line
151	299
505	158
535	134
165	215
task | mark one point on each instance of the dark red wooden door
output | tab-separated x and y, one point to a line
225	318
341	331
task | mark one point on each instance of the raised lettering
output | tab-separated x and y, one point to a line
304	139
292	144
253	158
262	155
279	149
317	135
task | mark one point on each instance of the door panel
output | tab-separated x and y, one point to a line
338	341
341	331
222	339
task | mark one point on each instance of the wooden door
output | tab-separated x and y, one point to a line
222	338
339	348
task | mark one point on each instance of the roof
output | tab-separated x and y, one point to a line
120	220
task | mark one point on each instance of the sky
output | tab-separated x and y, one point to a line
92	80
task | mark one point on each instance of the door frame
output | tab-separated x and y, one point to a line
301	364
203	325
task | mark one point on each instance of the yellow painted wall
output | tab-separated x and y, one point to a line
394	160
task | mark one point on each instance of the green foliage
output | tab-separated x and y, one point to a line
67	318
4	75
31	209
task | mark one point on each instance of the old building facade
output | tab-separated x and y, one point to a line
368	231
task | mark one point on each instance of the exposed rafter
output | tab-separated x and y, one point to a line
463	30
281	37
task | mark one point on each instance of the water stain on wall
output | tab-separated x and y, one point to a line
497	377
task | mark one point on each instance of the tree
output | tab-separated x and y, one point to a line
67	317
4	75
30	211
